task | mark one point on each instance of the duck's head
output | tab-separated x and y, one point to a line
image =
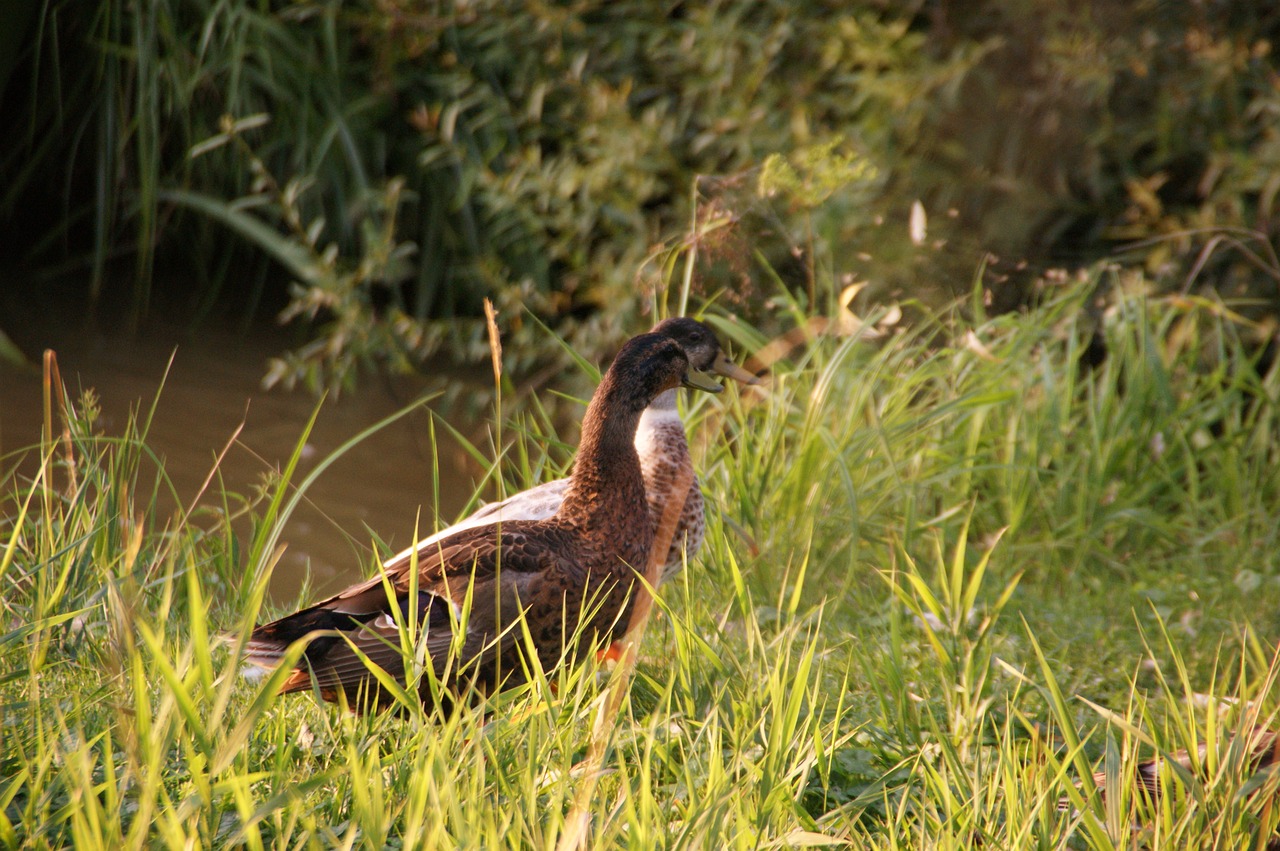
702	348
651	364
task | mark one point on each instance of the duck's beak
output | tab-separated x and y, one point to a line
696	379
729	369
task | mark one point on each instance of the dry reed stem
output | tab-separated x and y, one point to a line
495	355
217	464
578	820
495	342
53	388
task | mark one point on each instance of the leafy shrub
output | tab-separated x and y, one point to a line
548	152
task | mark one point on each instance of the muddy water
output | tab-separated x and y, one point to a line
212	387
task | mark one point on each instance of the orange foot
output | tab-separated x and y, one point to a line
612	653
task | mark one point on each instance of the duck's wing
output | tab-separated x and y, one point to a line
457	574
536	503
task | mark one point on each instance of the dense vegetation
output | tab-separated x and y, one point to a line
401	161
942	584
991	526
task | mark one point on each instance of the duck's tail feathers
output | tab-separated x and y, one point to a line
269	643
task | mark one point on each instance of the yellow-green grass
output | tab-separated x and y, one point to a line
943	584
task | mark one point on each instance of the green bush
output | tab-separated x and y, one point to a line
1139	130
547	152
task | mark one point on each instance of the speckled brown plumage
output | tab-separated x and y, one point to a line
664	455
570	569
1258	753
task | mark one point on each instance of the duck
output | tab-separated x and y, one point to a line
568	577
1256	752
664	459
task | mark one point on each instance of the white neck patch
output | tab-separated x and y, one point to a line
654	417
658	432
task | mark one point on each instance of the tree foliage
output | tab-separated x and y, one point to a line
541	154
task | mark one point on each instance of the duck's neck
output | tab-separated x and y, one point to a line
661	409
606	486
660	430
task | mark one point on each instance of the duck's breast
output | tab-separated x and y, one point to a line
664	460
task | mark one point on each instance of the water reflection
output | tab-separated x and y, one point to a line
213	386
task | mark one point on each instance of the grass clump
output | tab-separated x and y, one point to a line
944	585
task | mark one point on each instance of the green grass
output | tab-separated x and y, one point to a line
942	585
